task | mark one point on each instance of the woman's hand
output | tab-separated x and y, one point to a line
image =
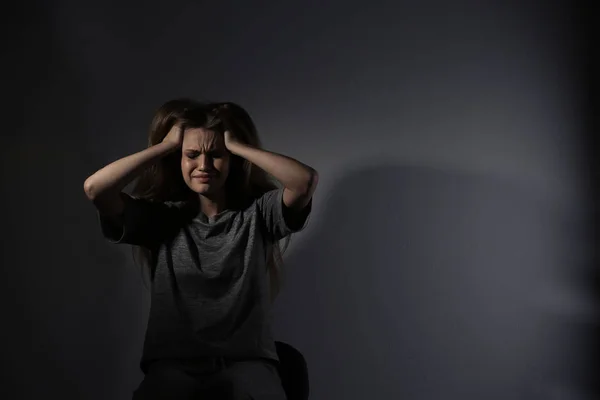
175	135
231	142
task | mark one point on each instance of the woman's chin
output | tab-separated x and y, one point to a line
203	188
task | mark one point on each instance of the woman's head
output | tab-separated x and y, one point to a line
205	160
205	166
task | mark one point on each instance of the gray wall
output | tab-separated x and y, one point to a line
443	256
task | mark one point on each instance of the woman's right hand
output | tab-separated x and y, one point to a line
175	135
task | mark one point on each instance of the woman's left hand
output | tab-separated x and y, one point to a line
231	141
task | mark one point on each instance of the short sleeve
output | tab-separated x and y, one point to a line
278	219
142	222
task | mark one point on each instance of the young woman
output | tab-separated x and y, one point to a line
207	222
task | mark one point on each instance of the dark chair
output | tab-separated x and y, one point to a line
293	372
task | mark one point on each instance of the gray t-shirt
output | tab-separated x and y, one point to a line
210	293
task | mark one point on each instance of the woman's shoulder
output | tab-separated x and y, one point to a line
256	204
176	204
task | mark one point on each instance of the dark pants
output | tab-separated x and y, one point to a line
210	379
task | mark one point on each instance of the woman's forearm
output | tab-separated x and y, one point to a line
292	174
112	178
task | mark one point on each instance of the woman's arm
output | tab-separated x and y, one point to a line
299	180
104	187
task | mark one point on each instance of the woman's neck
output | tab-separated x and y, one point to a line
212	205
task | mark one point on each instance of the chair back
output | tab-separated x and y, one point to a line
293	372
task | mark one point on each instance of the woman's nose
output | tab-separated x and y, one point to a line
205	163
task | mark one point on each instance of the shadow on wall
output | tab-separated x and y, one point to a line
417	283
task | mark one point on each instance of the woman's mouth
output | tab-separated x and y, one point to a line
203	177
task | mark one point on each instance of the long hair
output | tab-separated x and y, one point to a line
245	183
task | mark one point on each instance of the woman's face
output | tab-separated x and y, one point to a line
204	161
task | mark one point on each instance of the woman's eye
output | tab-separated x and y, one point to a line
215	154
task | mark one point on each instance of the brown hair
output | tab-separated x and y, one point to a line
163	181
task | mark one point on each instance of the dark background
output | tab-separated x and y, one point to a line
451	253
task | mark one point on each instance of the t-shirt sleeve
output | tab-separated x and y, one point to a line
141	223
279	220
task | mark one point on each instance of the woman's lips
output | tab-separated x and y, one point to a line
202	178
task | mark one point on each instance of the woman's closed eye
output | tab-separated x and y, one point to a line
210	154
215	154
192	154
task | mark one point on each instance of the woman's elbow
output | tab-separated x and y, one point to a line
89	189
313	181
309	184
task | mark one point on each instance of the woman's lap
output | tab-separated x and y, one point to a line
248	380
